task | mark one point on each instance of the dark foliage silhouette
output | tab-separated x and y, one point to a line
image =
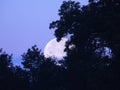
43	72
93	52
5	70
91	29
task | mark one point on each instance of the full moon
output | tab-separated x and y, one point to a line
55	49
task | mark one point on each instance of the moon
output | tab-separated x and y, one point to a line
55	49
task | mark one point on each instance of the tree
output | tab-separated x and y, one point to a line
6	74
91	28
21	78
43	72
32	60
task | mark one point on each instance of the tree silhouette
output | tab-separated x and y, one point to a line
44	73
21	77
93	56
91	29
5	71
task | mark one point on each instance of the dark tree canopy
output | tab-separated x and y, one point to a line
92	29
93	52
43	72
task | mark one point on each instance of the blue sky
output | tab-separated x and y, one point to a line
24	23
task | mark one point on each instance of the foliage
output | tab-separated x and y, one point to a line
91	28
93	56
5	70
43	72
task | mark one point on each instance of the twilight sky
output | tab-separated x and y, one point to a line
24	23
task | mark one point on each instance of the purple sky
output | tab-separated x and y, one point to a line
24	23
